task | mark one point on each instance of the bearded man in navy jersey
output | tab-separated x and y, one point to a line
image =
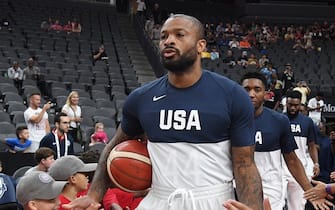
274	140
199	126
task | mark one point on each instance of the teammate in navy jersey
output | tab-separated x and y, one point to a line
303	131
273	138
199	126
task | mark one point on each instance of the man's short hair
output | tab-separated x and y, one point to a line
34	94
294	94
19	130
194	20
254	75
43	153
58	116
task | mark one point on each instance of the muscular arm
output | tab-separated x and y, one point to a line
39	117
101	180
297	170
248	180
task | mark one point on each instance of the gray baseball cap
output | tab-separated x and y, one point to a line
38	185
67	166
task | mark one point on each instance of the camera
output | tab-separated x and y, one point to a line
53	104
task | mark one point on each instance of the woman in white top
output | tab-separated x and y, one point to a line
73	110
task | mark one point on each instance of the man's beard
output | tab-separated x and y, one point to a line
290	116
181	64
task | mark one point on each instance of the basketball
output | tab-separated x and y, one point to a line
129	166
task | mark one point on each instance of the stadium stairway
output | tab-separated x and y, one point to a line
140	63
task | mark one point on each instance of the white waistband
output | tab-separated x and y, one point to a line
198	193
191	195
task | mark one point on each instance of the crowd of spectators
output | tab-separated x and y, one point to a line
54	25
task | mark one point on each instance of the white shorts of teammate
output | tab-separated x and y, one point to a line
274	191
181	199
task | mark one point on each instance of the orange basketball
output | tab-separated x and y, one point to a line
129	166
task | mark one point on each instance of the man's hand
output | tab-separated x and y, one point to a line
82	203
316	170
321	204
318	191
47	106
236	205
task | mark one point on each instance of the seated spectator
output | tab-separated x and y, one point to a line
210	37
229	59
214	54
234	43
56	26
39	191
46	25
298	46
229	31
68	27
16	74
289	34
219	29
76	26
222	40
263	61
270	73
309	46
21	143
32	71
100	54
252	60
99	135
243	59
251	38
73	170
244	44
44	157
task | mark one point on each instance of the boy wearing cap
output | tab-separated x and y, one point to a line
71	169
39	191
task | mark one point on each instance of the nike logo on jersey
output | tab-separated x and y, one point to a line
156	98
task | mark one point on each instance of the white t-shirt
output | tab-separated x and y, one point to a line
36	130
315	114
140	6
67	109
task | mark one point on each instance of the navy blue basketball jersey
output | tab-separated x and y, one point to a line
273	132
302	128
273	137
191	130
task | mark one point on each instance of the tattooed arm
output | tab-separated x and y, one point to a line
248	181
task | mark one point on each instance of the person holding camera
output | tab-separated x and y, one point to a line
100	54
73	111
58	139
37	120
288	78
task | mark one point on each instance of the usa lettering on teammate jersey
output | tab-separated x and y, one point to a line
295	128
179	120
258	137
